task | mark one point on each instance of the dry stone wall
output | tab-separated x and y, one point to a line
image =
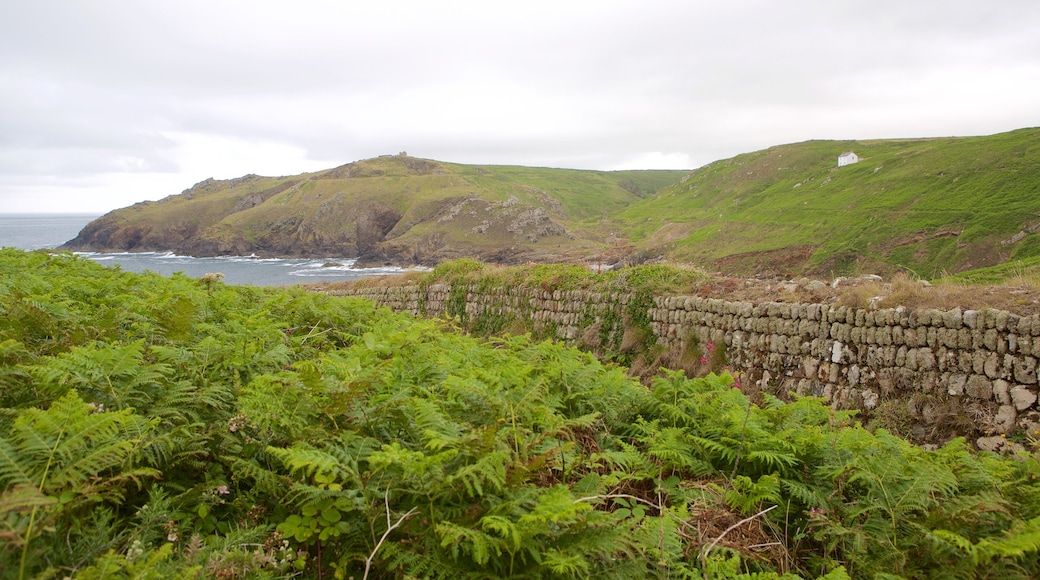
975	367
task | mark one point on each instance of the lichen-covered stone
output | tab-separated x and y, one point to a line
1022	397
1004	420
979	387
1025	370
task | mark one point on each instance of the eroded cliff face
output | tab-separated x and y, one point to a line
398	211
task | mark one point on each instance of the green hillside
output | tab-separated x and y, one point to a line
931	206
928	205
396	209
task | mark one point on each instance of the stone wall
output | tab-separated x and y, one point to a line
974	370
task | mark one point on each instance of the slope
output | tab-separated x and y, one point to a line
394	209
927	205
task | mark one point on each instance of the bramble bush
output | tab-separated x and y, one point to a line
174	427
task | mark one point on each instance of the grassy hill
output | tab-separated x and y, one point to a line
392	208
927	205
932	207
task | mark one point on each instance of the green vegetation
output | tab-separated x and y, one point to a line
1025	271
173	427
653	280
393	208
927	205
625	334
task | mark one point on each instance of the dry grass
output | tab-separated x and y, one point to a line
1020	295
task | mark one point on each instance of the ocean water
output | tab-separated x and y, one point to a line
41	231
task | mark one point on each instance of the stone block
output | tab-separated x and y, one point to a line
1025	370
870	398
1025	343
991	367
889	356
925	359
990	339
794	345
1012	322
911	359
970	318
955	384
1027	325
979	387
1002	391
1022	397
992	443
1004	421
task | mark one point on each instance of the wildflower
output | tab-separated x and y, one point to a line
704	360
173	537
237	422
222	490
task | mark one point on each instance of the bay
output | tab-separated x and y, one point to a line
43	231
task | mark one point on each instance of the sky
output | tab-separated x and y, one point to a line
105	103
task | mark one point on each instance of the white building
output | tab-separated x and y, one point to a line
847	158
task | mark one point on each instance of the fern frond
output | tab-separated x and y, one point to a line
265	481
463	541
13	470
1020	541
489	468
69	444
306	460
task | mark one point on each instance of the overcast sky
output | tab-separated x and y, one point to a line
105	103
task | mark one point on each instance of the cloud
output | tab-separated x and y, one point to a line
159	93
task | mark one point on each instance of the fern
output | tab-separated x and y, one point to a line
747	496
72	454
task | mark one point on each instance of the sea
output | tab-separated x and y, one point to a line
47	230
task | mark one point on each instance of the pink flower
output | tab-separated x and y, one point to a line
222	490
704	360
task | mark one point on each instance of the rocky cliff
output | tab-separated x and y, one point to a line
392	209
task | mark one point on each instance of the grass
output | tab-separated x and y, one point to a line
653	279
929	205
1013	287
317	213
